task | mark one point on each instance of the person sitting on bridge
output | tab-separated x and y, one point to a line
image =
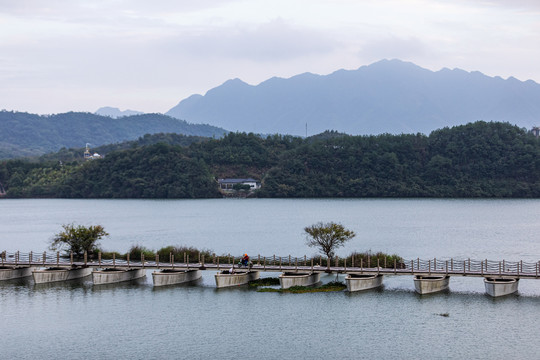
245	260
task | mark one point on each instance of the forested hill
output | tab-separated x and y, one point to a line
474	160
25	134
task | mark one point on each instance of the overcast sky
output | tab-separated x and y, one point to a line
79	55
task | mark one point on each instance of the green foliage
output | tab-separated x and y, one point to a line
368	259
78	239
474	160
269	281
328	287
26	134
179	251
327	237
136	251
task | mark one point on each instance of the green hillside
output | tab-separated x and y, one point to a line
474	160
25	134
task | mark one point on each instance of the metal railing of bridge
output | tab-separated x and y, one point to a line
385	265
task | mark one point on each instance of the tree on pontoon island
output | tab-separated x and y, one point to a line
327	237
78	239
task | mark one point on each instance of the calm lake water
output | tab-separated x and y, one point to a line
77	320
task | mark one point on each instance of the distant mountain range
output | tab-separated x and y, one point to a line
389	96
116	112
24	134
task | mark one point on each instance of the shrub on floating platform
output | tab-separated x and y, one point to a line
179	251
369	259
108	255
136	251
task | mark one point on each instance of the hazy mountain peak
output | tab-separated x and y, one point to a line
389	96
116	112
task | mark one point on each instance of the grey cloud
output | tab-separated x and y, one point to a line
273	41
101	10
394	47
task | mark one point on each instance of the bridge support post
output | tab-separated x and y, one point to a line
142	259
127	259
44	257
71	257
482	267
187	262
429	267
296	264
361	265
395	266
16	258
157	261
113	259
30	258
265	264
311	264
452	264
258	259
446	267
85	258
280	263
99	258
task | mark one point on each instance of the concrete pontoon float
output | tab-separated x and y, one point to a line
14	272
116	275
226	279
53	274
358	282
427	284
500	286
290	279
174	276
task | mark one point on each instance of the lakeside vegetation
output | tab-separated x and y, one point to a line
328	287
481	159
